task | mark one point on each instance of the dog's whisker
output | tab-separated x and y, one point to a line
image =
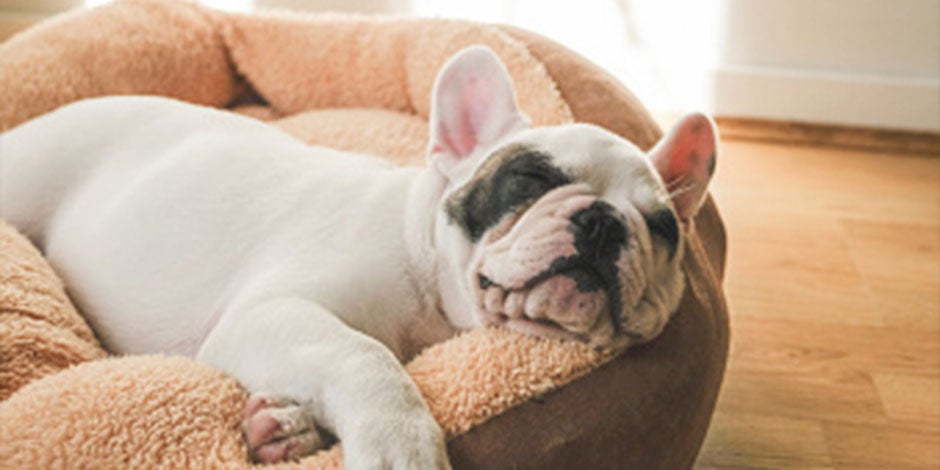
681	180
681	190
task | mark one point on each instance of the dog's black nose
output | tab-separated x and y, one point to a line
597	231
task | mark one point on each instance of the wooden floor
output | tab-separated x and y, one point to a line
834	291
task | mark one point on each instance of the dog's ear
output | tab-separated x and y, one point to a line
473	106
685	159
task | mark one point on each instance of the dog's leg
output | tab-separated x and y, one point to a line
347	382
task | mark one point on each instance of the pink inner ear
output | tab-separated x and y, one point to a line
474	105
686	160
692	150
457	136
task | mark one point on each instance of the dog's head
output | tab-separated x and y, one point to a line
564	231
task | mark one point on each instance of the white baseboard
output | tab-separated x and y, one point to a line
828	98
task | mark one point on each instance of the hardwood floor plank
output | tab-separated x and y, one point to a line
862	447
838	395
899	264
911	400
870	186
769	345
759	441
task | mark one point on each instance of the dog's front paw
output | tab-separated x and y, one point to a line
278	429
413	442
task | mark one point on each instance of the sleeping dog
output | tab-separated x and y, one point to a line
311	274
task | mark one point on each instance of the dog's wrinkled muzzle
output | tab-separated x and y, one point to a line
551	270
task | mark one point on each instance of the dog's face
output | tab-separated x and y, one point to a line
563	231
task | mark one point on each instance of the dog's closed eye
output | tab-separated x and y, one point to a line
662	224
526	184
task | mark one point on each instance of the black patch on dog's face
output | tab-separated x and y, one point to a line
662	224
510	180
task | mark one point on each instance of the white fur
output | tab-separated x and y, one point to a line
181	229
302	271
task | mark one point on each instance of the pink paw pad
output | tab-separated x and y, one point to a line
278	429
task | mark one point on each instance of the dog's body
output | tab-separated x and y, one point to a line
311	274
195	219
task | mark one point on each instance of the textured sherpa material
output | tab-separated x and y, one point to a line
360	84
40	331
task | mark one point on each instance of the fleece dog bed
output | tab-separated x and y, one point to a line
505	400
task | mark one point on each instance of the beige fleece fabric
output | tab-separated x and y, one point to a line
40	331
354	83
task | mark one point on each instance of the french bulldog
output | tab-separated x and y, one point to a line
310	275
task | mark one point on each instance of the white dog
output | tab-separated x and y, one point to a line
311	274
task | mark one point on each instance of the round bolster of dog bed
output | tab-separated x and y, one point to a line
648	408
40	331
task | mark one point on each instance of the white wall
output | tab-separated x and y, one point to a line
851	62
658	48
855	62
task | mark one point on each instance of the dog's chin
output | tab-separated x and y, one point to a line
574	304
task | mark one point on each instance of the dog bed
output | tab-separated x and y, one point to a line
505	400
